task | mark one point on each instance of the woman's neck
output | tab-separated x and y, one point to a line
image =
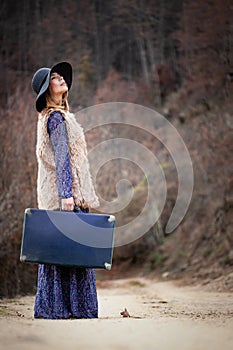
57	100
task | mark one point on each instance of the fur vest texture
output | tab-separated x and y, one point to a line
82	185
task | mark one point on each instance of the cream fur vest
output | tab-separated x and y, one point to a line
82	186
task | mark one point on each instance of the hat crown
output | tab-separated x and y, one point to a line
39	78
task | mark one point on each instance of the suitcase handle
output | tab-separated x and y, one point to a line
77	209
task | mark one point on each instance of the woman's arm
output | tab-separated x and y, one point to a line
58	136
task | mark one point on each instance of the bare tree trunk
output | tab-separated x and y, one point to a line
98	41
22	41
5	50
139	33
186	34
161	31
38	27
106	50
153	55
141	46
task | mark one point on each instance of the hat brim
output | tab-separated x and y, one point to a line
65	70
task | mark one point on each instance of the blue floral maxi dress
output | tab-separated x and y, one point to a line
64	292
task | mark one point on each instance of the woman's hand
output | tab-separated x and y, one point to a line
67	204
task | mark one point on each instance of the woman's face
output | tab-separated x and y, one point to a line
57	85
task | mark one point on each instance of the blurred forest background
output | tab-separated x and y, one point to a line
173	56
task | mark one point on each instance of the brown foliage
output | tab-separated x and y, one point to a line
17	188
202	244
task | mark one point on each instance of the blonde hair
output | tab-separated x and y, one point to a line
51	104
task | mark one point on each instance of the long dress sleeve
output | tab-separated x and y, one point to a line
58	136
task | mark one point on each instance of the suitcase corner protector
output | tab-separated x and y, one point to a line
111	218
107	266
28	211
23	258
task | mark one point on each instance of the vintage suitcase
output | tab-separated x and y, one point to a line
68	238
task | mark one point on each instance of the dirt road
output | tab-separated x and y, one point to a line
163	316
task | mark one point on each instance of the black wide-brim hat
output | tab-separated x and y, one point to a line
41	79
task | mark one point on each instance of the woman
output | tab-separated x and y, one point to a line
64	181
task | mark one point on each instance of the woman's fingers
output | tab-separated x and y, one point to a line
67	204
